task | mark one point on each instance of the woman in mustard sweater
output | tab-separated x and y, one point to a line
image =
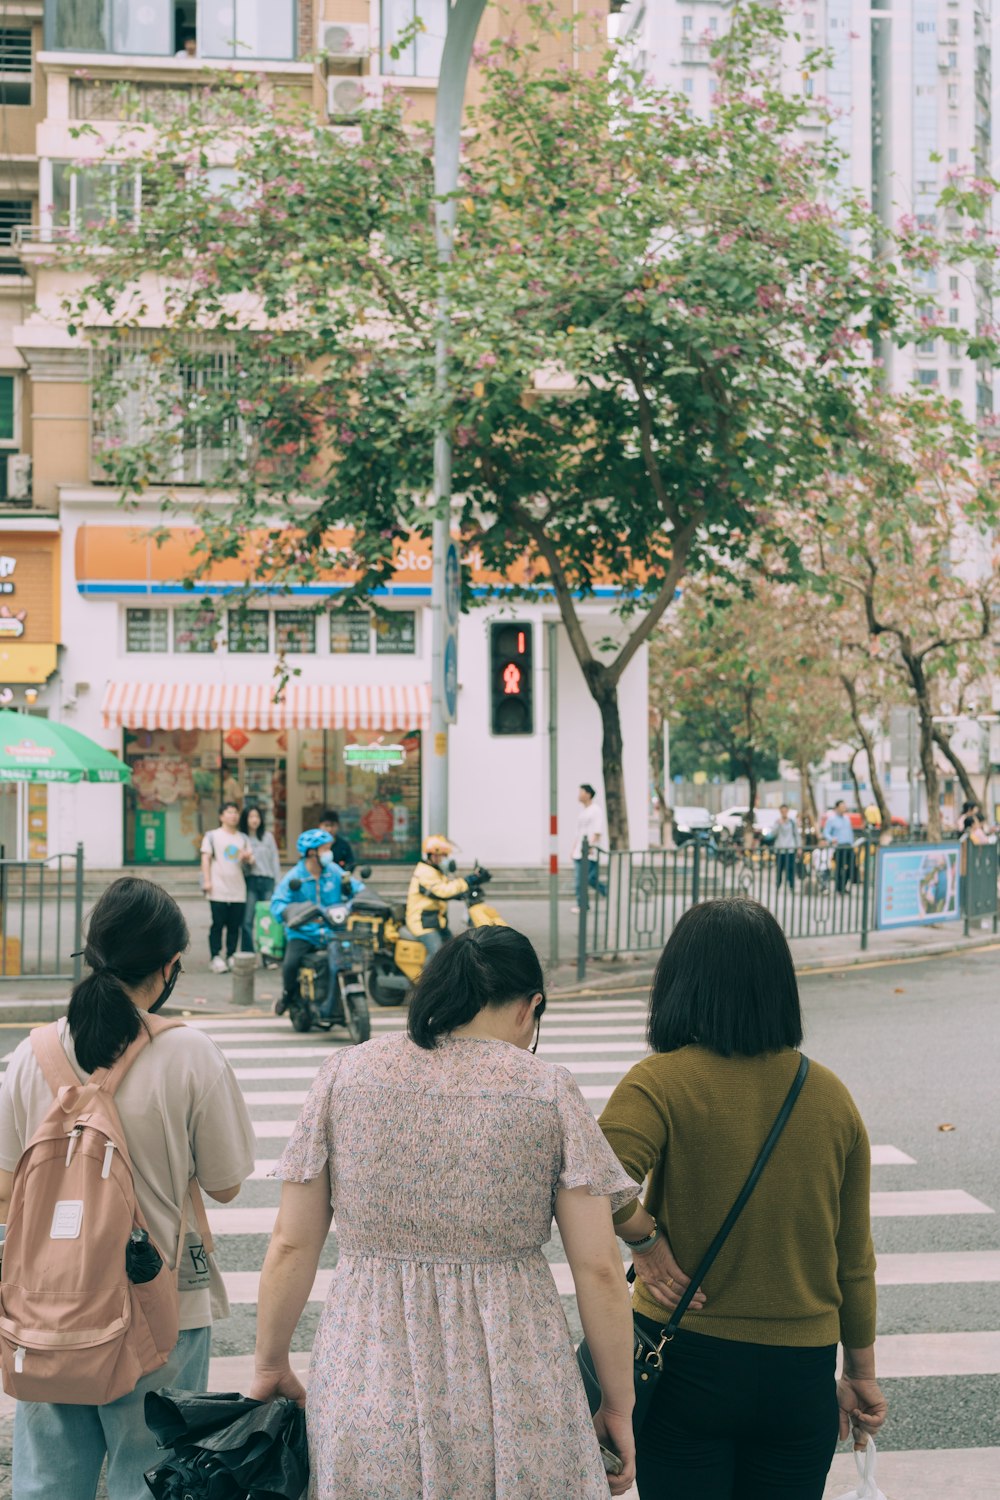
748	1406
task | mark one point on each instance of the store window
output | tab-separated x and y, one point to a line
421	56
396	633
350	633
377	794
249	631
294	632
195	630
147	630
174	794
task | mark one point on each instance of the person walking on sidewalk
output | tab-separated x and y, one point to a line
787	844
839	831
748	1404
183	1119
442	1365
225	855
263	872
590	825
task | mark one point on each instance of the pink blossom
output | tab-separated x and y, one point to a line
486	361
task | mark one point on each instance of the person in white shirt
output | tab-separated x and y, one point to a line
590	825
225	855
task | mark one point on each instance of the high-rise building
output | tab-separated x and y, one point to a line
910	91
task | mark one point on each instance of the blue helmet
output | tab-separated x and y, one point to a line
313	838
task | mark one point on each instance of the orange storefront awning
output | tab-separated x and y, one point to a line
157	705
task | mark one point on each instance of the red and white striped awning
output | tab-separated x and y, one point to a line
160	705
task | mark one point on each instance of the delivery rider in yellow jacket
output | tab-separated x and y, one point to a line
432	885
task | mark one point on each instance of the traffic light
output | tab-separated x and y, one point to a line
512	678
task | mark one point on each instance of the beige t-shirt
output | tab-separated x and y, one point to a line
227	873
183	1116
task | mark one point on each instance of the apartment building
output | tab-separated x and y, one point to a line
95	629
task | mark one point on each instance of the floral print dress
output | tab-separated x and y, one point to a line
443	1367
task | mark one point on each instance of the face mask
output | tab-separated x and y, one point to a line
538	1024
326	858
448	866
167	990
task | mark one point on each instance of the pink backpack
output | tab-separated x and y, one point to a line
73	1327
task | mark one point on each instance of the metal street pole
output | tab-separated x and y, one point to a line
463	22
551	630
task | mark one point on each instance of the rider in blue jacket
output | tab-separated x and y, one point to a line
323	881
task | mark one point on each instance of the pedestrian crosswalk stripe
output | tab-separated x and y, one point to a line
225	1221
934	1355
307	1050
926	1201
258	1075
241	1287
918	1473
937	1268
891	1156
273	1096
273	1129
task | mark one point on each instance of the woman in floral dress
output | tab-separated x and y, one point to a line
443	1367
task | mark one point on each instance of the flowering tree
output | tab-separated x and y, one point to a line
661	332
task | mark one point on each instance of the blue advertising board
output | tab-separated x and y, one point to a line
918	883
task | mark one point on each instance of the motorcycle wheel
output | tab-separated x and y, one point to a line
380	992
356	1017
301	1017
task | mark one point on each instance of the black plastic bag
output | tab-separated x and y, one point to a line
227	1447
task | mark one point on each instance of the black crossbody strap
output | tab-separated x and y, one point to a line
743	1197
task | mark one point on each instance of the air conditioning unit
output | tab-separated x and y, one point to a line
19	476
344	41
346	98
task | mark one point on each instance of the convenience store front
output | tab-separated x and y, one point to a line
190	698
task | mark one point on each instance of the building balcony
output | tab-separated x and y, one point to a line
216	30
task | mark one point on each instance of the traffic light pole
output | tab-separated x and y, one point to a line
463	22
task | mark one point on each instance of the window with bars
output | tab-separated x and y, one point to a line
15	65
184	411
8	414
13	211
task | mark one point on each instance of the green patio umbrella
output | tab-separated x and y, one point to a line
34	749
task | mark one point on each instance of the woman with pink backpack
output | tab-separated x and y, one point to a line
109	1121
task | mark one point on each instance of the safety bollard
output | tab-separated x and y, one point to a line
244	967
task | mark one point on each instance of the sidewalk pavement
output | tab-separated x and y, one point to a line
202	992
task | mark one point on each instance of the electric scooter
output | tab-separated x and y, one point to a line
313	980
397	955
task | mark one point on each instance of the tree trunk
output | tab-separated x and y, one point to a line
658	769
868	744
605	695
932	783
808	796
951	756
858	804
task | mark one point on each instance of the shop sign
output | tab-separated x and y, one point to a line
11	625
7	566
377	758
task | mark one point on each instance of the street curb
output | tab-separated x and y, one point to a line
37	1012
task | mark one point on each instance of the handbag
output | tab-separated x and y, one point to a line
867	1485
647	1353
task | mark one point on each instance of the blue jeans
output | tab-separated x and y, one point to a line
592	880
59	1450
259	888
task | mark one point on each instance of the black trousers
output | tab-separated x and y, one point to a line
844	864
227	917
733	1421
784	864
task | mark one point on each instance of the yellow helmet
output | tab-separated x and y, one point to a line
436	843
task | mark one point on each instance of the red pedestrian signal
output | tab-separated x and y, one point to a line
511	678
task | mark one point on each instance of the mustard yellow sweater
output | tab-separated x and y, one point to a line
799	1267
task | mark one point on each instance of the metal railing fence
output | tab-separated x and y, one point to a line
41	917
639	895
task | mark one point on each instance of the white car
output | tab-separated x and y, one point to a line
689	821
732	819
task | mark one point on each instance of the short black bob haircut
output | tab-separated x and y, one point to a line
482	966
725	981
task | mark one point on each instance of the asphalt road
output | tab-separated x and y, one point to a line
919	1046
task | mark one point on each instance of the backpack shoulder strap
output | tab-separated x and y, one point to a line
46	1044
152	1026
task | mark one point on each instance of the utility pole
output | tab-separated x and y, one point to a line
463	22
